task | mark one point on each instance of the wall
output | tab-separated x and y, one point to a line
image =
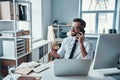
46	17
36	19
41	16
64	10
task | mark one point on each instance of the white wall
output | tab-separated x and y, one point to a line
64	10
41	16
46	17
36	19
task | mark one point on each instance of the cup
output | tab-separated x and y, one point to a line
112	31
11	72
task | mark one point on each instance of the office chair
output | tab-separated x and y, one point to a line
69	33
51	37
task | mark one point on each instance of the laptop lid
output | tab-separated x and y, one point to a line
71	67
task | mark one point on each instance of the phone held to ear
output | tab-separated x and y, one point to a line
81	30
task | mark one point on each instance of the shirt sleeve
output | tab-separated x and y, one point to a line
61	50
89	50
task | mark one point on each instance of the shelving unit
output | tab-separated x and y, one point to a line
15	32
61	30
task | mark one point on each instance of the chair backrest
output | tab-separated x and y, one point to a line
69	33
51	36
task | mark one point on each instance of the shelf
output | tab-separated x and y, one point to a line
40	43
60	30
8	37
15	27
20	56
16	31
2	57
15	20
6	20
23	1
4	37
62	25
25	36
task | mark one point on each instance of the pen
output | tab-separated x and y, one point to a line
37	65
44	69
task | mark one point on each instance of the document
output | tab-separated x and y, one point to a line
24	70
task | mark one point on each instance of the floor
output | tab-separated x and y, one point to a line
0	78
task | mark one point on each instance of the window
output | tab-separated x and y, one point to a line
99	15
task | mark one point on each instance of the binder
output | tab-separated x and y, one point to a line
22	12
7	10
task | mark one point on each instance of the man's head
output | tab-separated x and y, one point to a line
78	25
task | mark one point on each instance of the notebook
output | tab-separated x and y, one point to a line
71	67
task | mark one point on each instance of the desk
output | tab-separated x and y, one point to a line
49	75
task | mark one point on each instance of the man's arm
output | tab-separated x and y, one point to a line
61	51
83	51
80	38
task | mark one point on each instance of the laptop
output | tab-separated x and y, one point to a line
71	67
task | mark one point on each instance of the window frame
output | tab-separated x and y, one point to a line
97	12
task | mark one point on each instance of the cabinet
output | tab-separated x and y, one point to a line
15	31
60	30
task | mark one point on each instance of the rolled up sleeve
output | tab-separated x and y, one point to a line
61	50
89	50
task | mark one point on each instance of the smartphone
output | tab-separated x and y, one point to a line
82	30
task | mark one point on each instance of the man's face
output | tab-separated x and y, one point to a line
76	26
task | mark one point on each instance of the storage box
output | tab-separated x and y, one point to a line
8	49
7	11
26	32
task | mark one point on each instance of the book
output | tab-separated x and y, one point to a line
29	78
22	12
23	70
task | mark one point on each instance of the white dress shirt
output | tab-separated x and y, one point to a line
67	45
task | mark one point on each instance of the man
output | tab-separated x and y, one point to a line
83	48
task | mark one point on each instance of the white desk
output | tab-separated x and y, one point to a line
49	75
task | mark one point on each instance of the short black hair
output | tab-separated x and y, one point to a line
83	23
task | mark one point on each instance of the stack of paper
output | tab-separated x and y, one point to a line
12	33
23	70
26	68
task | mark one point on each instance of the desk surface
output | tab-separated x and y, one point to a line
49	75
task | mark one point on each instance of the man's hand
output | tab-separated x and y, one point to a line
54	54
80	37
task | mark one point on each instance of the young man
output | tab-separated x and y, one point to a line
83	48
